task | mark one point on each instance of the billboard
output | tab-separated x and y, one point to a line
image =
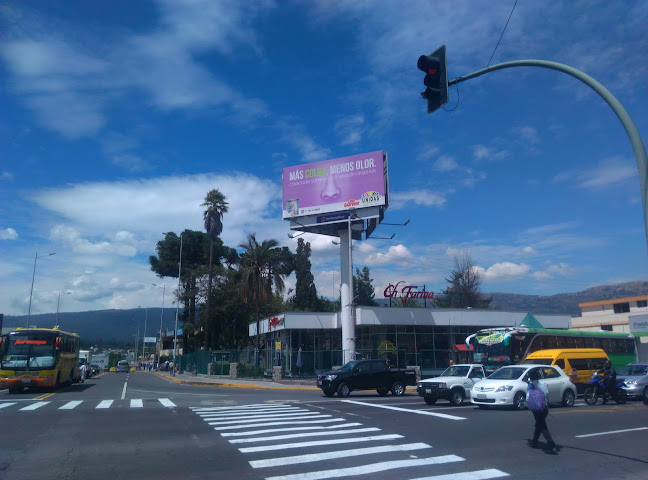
336	185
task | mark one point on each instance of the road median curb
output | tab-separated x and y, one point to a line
231	385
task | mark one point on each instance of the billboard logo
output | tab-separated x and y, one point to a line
292	206
351	203
370	197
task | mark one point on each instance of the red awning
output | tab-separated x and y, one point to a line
461	347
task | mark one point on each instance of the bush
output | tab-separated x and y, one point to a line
248	370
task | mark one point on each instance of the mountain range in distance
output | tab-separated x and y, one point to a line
121	326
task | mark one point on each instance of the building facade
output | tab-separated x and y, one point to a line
424	337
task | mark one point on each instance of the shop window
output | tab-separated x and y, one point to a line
606	328
642	303
622	307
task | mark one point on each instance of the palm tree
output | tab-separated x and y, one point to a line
263	266
213	215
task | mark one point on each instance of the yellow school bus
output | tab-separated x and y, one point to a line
38	357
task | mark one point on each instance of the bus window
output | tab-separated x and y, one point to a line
560	363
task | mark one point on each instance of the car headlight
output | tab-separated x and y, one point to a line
420	385
331	377
631	382
504	388
442	385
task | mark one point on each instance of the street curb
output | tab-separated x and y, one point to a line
231	385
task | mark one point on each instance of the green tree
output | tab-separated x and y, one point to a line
408	302
213	216
263	267
305	298
463	287
363	288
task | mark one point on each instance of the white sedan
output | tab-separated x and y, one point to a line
508	387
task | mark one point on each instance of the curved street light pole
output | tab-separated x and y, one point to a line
163	287
58	303
32	285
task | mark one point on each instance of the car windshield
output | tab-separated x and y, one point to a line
507	373
633	370
455	371
349	366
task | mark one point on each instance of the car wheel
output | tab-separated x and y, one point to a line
383	391
343	390
456	397
328	393
568	398
430	400
398	389
519	400
15	390
645	396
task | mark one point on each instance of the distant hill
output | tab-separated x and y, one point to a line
120	326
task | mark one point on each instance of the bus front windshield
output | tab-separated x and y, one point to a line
495	354
29	352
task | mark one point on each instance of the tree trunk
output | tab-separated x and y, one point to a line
209	288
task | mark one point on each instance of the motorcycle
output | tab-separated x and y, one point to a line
596	388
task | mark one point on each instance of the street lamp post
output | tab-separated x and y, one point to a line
58	302
163	287
144	336
175	331
32	285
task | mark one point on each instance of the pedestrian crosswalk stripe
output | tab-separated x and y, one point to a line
372	468
476	475
105	404
34	406
399	409
136	403
286	422
289	429
166	402
300	416
270	416
250	412
71	405
288	446
316	457
243	407
3	405
303	435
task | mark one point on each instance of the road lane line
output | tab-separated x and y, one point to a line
419	412
166	402
611	432
34	406
71	405
105	404
476	475
371	468
288	422
136	403
239	422
269	416
251	412
245	407
4	405
124	390
303	435
316	457
290	429
288	446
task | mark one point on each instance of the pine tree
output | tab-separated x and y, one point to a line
305	298
363	289
463	287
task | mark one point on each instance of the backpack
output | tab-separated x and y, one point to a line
536	399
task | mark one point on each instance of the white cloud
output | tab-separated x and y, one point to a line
427	152
445	163
396	254
552	271
351	129
8	234
529	134
609	172
8	176
425	198
133	163
505	271
482	152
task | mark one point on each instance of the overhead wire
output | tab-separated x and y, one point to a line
500	39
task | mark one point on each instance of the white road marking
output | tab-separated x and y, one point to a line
34	406
372	468
288	446
166	402
269	424
251	412
316	457
3	405
136	403
303	435
419	412
71	405
291	417
241	407
269	416
476	475
124	390
105	404
613	431
290	429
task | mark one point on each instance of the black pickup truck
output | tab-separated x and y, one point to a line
366	375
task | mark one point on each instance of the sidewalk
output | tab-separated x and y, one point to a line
226	382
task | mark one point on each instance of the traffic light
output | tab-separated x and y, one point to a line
436	78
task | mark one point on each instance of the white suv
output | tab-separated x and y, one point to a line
508	387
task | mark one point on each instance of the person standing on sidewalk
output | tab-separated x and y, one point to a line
537	399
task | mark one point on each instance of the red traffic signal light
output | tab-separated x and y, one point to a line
436	78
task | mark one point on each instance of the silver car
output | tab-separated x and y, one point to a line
123	366
636	378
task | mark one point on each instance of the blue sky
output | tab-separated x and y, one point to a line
117	117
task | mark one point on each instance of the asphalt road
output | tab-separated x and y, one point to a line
141	426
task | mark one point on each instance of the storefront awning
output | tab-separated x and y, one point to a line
461	347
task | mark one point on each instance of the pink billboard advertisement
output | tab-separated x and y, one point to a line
334	185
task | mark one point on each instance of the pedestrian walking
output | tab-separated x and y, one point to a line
537	399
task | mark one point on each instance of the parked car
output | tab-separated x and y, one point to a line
508	387
123	366
366	375
636	379
454	384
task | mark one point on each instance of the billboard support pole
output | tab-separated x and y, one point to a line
346	287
